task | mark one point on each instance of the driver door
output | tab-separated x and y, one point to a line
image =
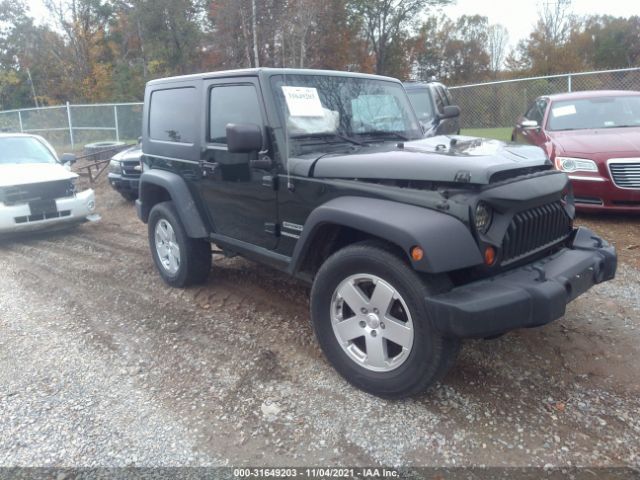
237	188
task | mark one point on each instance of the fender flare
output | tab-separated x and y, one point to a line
182	199
447	243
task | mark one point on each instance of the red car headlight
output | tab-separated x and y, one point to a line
569	164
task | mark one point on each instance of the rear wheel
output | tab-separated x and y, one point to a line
368	312
180	260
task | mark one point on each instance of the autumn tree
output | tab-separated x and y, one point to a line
497	43
453	51
608	42
387	25
546	51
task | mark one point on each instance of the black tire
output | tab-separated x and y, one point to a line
431	355
194	255
129	196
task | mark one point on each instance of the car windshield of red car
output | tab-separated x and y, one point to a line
597	112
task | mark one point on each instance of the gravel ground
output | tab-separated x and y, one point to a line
101	364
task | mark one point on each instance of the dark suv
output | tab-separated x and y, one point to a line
124	172
435	109
409	244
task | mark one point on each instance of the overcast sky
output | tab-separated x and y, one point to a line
519	16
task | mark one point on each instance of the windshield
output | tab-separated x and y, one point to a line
322	110
24	150
421	101
598	112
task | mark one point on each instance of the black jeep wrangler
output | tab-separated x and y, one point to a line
409	244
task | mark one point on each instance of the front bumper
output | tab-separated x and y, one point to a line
18	218
124	184
600	194
529	296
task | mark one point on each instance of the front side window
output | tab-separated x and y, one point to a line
20	150
443	95
438	98
173	115
536	112
232	104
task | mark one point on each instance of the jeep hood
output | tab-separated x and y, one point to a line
436	159
133	153
25	173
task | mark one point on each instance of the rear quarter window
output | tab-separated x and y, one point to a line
172	115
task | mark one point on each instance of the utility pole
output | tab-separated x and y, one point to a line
254	33
33	90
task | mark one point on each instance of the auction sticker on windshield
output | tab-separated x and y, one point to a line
564	111
303	101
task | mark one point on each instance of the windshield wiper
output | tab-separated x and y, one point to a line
329	134
385	133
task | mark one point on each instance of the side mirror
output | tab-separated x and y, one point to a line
244	138
68	158
139	140
528	124
451	111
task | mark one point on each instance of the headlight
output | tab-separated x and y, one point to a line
115	166
568	164
484	215
71	187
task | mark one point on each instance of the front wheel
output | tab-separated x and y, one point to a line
180	260
367	308
129	196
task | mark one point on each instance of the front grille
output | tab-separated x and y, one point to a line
534	230
21	194
625	174
130	169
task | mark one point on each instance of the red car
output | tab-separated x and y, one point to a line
595	137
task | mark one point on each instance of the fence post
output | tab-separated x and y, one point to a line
20	121
569	83
115	116
70	125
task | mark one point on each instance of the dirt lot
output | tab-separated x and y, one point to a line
101	364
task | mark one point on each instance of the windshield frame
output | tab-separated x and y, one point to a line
566	102
42	146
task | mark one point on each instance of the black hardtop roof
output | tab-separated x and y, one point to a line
267	72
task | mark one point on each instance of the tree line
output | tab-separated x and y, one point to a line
105	50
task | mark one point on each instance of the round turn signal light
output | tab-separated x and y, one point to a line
417	254
489	255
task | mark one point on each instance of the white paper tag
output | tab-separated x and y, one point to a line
564	111
303	101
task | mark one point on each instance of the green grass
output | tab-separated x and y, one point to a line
503	134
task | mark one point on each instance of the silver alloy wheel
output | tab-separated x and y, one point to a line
167	246
372	322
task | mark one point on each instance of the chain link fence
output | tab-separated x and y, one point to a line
73	126
483	105
499	104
